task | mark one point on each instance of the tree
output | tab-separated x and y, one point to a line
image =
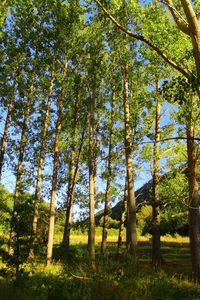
40	164
23	139
109	171
156	251
129	168
55	167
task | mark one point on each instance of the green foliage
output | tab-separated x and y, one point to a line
6	200
111	223
144	217
173	202
179	89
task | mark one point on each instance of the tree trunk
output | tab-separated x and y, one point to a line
67	229
5	135
7	123
95	154
71	183
156	251
91	235
107	194
19	170
73	169
129	169
193	20
194	199
40	166
123	217
55	175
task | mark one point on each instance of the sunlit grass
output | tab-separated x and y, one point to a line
77	238
70	275
175	239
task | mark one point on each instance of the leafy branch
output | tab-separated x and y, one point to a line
145	40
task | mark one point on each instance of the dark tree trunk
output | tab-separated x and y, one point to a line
194	201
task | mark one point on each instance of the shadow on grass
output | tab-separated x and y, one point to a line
111	280
115	277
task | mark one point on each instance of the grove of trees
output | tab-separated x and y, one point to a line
95	94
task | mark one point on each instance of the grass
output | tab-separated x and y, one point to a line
115	277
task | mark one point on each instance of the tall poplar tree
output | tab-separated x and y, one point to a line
55	167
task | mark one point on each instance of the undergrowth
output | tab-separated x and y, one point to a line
115	277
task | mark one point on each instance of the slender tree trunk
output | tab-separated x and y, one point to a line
156	250
40	166
55	174
129	169
193	20
107	194
123	216
66	235
7	123
194	199
95	155
91	235
71	183
73	169
5	135
19	170
67	229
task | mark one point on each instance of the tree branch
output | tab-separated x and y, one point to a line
3	4
180	21
168	139
190	15
143	39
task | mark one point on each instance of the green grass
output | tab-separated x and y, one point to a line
72	277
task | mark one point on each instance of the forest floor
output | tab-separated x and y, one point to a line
115	276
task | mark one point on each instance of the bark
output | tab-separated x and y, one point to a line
194	201
5	135
108	184
7	123
40	166
129	169
66	235
191	27
55	174
73	169
91	235
183	26
123	216
156	250
71	183
96	147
